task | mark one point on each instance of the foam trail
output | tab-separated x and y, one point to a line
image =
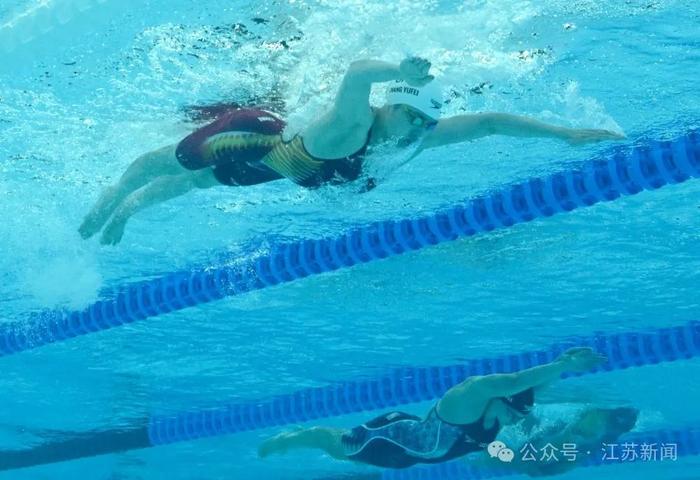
623	171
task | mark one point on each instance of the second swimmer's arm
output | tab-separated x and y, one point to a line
461	128
464	403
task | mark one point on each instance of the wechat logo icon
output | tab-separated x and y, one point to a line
499	450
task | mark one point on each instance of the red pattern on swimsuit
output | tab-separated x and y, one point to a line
190	152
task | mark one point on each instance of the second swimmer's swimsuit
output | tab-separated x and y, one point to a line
400	440
245	147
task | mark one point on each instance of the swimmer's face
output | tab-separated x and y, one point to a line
405	122
621	419
506	414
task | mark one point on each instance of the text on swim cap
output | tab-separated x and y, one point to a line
409	90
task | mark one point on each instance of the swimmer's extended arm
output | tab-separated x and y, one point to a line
465	402
462	128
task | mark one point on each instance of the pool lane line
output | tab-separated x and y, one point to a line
649	165
399	386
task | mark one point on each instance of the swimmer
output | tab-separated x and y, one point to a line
465	420
244	147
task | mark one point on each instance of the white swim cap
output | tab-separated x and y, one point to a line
426	99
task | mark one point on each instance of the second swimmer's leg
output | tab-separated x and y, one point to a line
159	190
328	440
142	171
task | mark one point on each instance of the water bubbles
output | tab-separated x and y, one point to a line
63	280
34	21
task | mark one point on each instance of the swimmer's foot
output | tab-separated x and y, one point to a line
98	216
92	223
113	232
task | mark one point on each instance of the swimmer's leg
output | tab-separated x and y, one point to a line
159	190
328	440
142	171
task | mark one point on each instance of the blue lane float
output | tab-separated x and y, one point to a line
397	387
685	440
624	171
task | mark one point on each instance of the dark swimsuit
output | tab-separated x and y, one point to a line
245	147
400	440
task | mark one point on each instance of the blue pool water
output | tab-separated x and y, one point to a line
85	87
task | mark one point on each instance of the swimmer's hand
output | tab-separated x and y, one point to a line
581	359
414	71
582	136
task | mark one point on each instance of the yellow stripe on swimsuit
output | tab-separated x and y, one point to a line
291	160
223	146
